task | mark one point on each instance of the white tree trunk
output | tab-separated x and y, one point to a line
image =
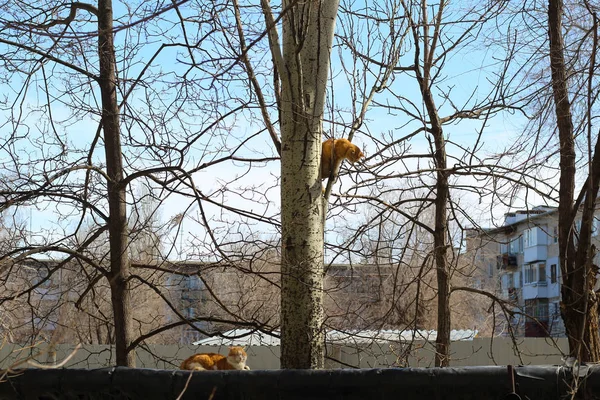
307	39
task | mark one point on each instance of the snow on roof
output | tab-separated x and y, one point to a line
248	337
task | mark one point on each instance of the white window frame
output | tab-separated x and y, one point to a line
516	245
555	268
521	244
530	237
539	269
510	281
530	274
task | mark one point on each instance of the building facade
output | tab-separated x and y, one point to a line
524	252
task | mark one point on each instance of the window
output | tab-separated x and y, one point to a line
535	273
191	283
503	248
530	237
520	244
514	246
553	273
190	312
490	269
595	226
542	273
537	308
521	277
530	273
555	235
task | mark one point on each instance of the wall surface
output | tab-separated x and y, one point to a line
478	352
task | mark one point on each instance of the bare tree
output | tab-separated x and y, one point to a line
415	45
183	91
117	199
106	124
579	305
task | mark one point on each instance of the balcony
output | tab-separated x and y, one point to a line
507	260
535	290
535	253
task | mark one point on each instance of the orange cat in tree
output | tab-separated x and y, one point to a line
334	151
236	359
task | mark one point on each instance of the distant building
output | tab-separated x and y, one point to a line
54	300
189	295
522	257
355	295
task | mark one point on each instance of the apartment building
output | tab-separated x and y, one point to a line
60	304
524	252
354	295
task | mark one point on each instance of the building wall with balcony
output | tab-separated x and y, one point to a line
528	267
524	246
535	244
535	290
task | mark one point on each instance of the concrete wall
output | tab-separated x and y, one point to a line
478	352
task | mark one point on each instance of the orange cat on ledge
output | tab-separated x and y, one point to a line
236	359
334	151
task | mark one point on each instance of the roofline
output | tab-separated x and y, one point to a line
514	224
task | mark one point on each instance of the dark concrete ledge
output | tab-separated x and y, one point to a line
481	383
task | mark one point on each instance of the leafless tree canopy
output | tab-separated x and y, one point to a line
160	166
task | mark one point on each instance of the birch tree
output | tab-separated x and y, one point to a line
302	60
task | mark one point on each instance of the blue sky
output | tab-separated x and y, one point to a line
469	70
